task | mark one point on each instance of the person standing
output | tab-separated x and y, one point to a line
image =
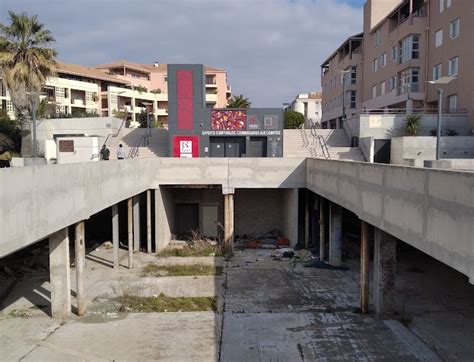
120	152
104	153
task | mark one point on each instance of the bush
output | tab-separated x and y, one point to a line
451	132
412	125
293	119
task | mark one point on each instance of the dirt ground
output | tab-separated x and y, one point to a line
267	310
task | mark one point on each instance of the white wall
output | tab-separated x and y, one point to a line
86	149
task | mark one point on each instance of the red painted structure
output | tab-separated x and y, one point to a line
179	146
184	99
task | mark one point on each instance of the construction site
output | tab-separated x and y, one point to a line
229	238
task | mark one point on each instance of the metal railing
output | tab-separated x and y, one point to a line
114	134
135	150
319	138
461	111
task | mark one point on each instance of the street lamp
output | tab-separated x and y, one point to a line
440	81
147	104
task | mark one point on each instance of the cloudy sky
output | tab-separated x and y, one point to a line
272	49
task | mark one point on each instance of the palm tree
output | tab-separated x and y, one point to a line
26	62
238	102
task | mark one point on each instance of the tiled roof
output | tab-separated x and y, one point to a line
89	72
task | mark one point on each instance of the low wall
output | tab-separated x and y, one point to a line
385	126
429	209
366	145
453	164
424	148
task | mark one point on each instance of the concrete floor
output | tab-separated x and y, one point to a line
269	310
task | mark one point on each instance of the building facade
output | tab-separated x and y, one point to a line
405	44
309	105
122	86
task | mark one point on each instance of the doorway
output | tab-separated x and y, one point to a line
187	219
257	147
227	146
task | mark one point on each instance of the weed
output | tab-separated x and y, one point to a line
163	303
181	270
198	248
18	313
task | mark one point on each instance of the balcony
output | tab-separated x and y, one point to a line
161	112
211	98
78	102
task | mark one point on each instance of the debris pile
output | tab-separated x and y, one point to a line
271	240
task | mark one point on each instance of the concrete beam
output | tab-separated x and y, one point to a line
385	260
80	263
335	234
59	275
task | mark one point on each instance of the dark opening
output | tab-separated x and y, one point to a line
257	147
187	219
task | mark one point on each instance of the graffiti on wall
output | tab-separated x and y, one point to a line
228	120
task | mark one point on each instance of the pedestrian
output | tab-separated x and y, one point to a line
120	152
5	159
104	153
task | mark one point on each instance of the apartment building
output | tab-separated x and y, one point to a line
405	44
341	81
309	105
121	86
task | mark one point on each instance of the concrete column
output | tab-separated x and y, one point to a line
322	228
364	267
148	221
59	276
130	231
385	249
136	223
80	255
335	234
164	218
306	219
115	235
290	215
229	223
409	106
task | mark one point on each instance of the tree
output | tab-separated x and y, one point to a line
412	125
293	119
10	138
238	102
26	62
142	120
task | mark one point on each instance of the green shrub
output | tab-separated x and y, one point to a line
293	119
412	125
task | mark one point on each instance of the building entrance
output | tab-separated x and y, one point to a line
227	146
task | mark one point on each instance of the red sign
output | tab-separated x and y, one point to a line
184	99
186	146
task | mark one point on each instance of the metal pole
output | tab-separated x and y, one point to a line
343	100
148	125
33	110
438	133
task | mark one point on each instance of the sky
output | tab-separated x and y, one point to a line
272	49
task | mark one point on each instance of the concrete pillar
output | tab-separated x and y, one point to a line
80	256
364	267
136	223
290	215
322	228
409	106
59	275
115	235
148	221
228	223
130	231
335	234
164	218
385	249
306	219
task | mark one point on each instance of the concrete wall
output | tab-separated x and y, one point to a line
86	149
453	164
424	148
385	126
257	211
429	209
290	215
164	217
366	145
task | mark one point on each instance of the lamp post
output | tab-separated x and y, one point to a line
147	104
440	81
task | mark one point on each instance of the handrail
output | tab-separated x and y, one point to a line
322	142
134	151
114	135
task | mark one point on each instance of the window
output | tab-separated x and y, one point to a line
448	4
408	80
441	6
352	103
383	60
353	74
437	71
375	64
410	48
374	91
382	88
454	28
305	104
453	66
439	38
378	37
453	102
393	83
394	53
166	78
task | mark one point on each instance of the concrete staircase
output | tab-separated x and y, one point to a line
128	137
302	143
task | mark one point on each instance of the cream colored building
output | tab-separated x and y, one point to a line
121	86
309	105
405	44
